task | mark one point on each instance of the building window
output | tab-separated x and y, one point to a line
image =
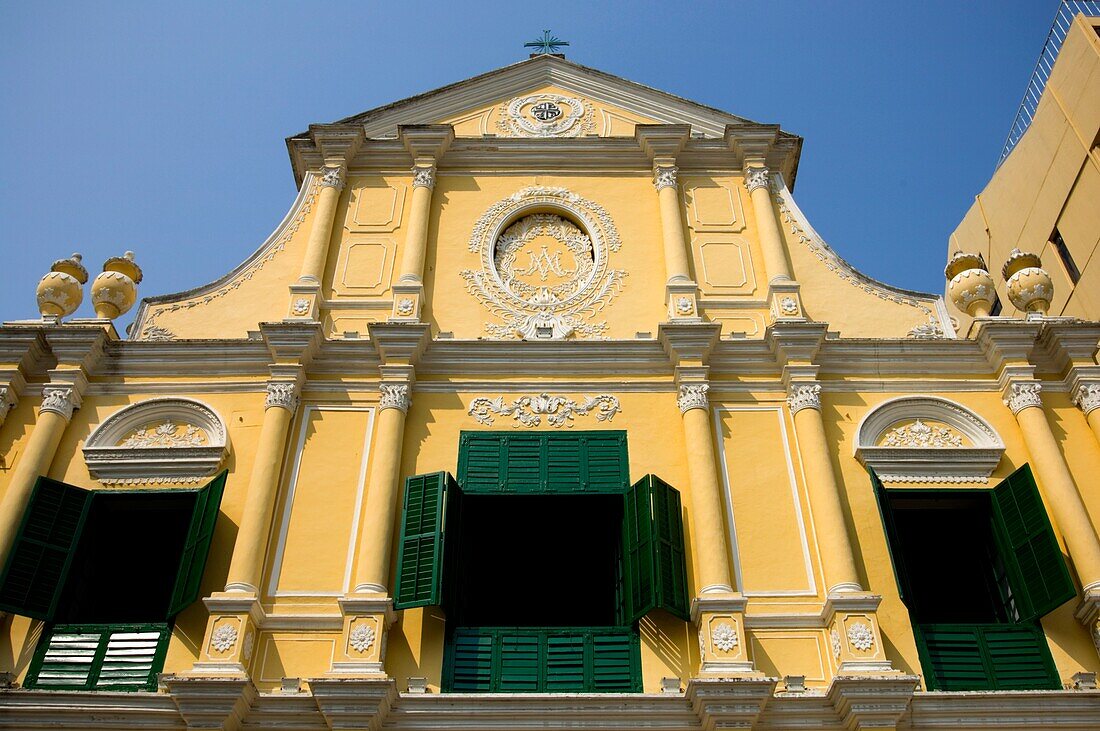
544	558
1070	265
107	571
977	569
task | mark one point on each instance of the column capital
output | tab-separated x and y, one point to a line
8	399
1020	395
693	396
804	396
664	176
757	177
423	176
332	176
60	399
395	396
283	395
1086	397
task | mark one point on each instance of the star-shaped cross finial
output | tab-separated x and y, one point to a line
546	44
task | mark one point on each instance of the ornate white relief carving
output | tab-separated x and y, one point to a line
801	230
361	638
223	638
919	434
168	434
915	456
804	396
834	640
423	176
529	410
724	637
788	306
405	306
1087	397
332	177
7	401
59	399
664	176
757	178
566	278
1023	395
693	396
542	115
394	396
685	306
301	307
161	440
283	394
860	636
276	243
927	331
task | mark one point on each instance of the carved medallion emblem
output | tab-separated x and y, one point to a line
542	274
545	115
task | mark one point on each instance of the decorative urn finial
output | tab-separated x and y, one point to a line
61	291
969	285
1029	286
114	291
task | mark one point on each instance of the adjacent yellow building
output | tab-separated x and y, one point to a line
546	407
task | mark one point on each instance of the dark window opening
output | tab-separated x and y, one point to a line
537	561
125	567
953	568
1070	265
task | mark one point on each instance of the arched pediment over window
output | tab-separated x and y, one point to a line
927	439
158	441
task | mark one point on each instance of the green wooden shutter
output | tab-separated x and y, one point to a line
43	550
543	463
420	549
99	657
654	571
196	548
1041	580
893	543
986	657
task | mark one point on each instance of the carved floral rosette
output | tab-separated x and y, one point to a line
571	117
584	286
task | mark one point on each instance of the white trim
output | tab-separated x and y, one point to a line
935	465
273	591
727	498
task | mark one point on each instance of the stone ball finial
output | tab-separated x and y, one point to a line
969	285
60	292
114	291
1029	286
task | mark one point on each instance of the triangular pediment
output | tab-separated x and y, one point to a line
608	105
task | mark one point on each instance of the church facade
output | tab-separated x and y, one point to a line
546	407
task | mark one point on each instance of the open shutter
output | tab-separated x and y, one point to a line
654	573
986	657
42	553
200	533
893	543
1041	581
420	550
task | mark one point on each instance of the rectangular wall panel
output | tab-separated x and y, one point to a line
771	555
315	544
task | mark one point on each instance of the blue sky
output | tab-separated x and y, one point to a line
159	127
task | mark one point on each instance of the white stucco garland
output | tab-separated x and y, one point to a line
161	440
934	460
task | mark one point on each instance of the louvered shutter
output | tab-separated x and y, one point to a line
654	571
99	657
43	550
897	555
420	550
543	463
986	657
196	548
1040	579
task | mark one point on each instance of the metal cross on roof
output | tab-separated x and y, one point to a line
546	44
